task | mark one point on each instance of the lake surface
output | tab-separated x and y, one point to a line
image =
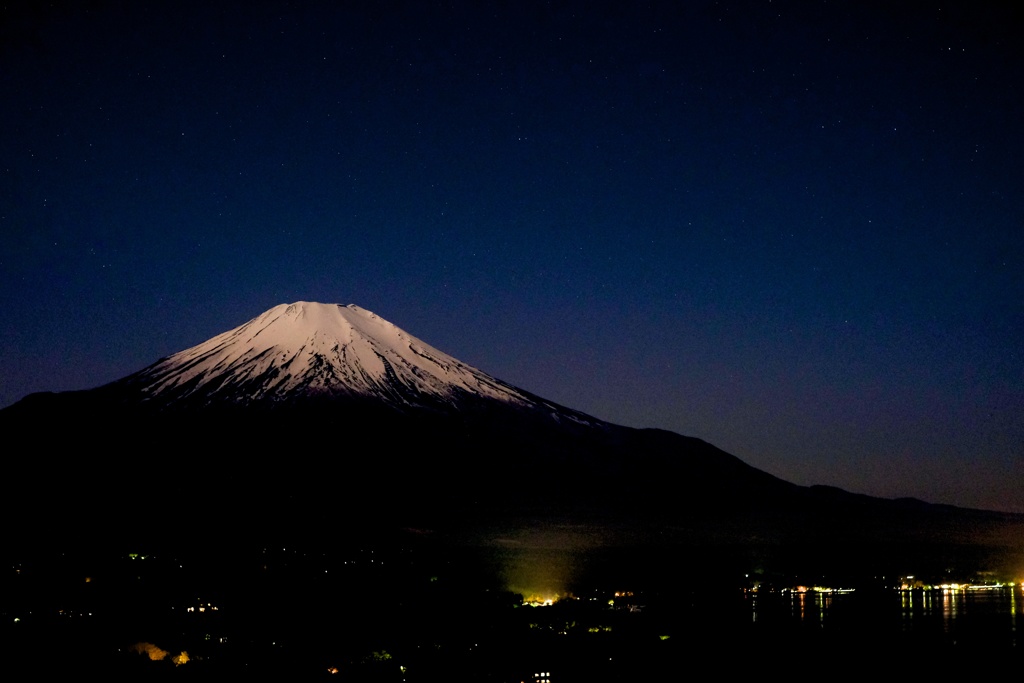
938	632
955	613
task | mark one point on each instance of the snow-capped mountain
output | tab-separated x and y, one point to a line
311	417
324	350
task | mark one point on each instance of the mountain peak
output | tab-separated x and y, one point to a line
307	349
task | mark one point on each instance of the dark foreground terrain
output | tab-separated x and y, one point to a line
402	606
355	543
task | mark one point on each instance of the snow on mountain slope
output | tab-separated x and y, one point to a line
309	348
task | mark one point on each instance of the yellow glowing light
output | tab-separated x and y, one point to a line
150	650
540	600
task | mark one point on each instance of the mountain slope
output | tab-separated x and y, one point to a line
311	418
336	387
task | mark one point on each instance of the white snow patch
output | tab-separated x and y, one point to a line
328	347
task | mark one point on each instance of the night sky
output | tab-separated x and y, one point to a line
792	229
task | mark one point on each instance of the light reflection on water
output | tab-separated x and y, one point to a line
952	606
958	614
804	607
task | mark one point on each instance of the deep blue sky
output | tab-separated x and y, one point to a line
793	229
